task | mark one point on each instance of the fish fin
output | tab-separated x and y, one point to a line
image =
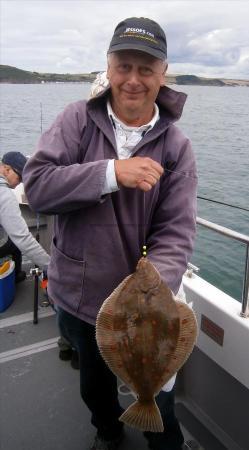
106	345
104	328
186	340
188	330
144	416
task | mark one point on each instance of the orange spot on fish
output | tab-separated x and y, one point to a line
185	321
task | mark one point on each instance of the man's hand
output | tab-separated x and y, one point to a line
138	172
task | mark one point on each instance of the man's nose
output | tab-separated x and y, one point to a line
134	77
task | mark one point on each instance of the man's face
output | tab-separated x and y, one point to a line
135	79
12	177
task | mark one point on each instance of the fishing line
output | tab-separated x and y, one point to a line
144	247
180	173
205	198
171	171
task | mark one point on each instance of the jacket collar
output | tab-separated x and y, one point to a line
171	101
170	105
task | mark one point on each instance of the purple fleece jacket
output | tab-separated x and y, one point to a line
98	239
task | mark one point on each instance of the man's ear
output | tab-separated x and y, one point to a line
163	80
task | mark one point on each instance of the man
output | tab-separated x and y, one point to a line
15	236
116	171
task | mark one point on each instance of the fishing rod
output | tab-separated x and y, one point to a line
223	203
38	214
204	198
37	272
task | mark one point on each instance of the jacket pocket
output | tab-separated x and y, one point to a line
65	279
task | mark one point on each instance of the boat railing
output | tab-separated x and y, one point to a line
245	240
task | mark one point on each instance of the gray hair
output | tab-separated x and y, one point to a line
163	61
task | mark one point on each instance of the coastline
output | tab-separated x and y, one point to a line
13	75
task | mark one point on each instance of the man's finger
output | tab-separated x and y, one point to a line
156	166
144	186
150	179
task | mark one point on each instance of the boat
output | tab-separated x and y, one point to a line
41	408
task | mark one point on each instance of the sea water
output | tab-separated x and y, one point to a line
215	119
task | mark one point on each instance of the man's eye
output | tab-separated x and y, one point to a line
145	71
123	68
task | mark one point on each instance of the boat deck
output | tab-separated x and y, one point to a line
41	408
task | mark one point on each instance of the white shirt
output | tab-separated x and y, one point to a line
126	139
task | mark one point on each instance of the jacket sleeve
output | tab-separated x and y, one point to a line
54	180
173	226
17	229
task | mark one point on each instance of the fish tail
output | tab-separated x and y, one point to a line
144	416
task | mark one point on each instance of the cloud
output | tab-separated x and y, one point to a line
214	48
73	36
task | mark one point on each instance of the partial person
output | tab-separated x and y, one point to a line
117	172
15	237
67	352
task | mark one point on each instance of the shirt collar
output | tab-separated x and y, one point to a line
143	128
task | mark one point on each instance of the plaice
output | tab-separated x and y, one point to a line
145	335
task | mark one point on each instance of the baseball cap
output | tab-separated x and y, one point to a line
139	33
16	160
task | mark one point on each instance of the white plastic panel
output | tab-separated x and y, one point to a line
224	311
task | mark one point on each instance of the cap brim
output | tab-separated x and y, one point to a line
16	171
141	48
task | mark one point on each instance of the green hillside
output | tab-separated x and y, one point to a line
9	74
192	79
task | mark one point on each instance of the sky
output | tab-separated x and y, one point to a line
205	38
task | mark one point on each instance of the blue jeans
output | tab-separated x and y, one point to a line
98	387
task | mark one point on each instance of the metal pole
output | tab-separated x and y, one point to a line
36	290
238	237
245	294
223	230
